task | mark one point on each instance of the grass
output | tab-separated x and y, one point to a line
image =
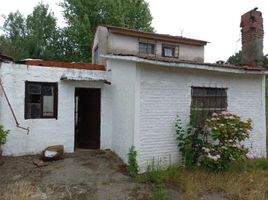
18	191
245	180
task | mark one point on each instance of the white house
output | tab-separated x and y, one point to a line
131	95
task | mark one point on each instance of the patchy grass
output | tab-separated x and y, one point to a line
245	180
18	191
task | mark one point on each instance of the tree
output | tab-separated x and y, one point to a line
41	30
84	16
235	59
35	36
12	42
265	61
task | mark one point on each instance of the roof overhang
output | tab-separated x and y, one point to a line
100	77
185	65
155	36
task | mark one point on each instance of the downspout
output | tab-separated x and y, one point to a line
12	111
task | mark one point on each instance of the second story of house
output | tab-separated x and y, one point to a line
122	41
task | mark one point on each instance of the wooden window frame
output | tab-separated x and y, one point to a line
55	100
173	48
147	44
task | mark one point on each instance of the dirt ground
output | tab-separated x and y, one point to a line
82	175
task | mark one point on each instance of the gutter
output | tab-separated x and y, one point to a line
184	65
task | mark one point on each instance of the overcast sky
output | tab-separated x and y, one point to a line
215	21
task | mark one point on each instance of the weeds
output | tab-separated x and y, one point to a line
159	193
132	162
245	180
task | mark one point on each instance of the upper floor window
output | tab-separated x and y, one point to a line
205	101
168	51
96	55
147	48
40	100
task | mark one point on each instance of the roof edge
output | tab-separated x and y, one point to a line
185	65
155	36
63	65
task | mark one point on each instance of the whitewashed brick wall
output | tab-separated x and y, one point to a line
47	132
164	92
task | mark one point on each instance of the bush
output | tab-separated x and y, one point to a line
3	135
227	132
189	143
132	162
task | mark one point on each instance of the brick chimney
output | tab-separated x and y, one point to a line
252	38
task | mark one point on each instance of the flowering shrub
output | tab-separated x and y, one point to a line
227	131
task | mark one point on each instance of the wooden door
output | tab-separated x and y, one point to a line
87	118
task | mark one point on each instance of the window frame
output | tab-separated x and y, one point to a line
173	48
55	100
153	47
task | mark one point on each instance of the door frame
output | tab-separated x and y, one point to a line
76	113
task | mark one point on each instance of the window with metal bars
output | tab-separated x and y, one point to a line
205	101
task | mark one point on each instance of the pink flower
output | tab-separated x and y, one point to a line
226	113
251	156
206	150
215	158
214	115
239	146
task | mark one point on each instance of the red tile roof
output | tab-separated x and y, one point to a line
175	60
63	65
156	36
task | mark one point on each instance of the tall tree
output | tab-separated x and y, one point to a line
41	32
13	40
35	36
83	16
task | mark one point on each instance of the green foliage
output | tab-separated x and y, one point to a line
132	161
159	193
3	135
235	59
35	36
83	17
158	176
265	61
227	132
247	165
189	143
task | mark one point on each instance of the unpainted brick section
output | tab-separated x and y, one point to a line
252	38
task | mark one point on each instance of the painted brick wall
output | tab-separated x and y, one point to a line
122	105
164	92
46	132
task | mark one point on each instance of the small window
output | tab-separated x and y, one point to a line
40	100
168	51
146	48
96	55
206	101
